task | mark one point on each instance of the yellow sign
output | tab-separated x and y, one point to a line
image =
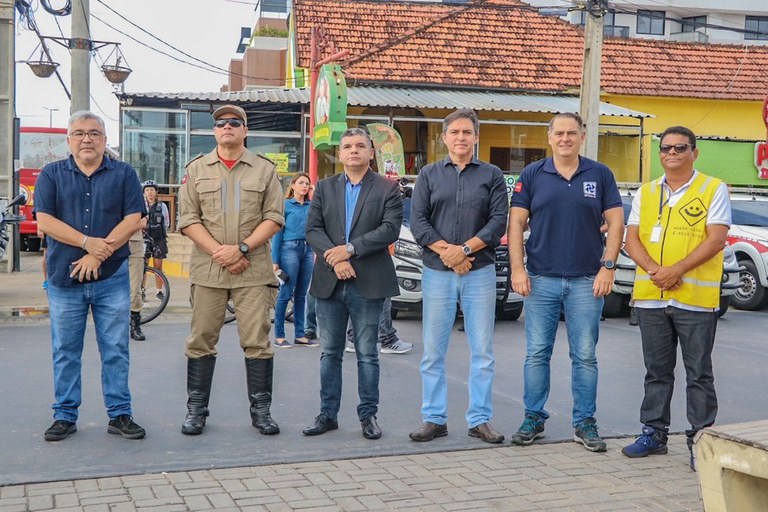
280	160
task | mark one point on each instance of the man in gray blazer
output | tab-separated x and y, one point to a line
353	217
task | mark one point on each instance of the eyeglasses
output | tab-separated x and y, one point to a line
80	135
679	148
234	123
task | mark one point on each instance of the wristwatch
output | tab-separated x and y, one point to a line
244	248
351	250
467	250
609	264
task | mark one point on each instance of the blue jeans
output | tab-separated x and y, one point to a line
296	258
442	291
387	332
574	295
311	314
110	303
346	303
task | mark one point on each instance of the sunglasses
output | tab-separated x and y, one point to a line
234	123
679	148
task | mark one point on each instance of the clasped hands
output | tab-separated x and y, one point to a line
454	258
338	258
230	257
666	278
99	248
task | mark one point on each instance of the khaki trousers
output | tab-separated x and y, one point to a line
252	305
136	272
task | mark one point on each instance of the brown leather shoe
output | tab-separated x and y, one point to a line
486	432
428	431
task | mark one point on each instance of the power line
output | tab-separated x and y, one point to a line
213	67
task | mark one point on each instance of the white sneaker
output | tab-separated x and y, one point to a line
350	348
396	347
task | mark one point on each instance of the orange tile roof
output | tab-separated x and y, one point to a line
505	44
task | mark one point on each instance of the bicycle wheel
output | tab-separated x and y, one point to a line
154	299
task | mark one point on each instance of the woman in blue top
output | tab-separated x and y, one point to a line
291	253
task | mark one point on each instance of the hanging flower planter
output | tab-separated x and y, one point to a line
42	68
115	74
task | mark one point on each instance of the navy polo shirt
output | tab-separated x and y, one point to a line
93	205
565	216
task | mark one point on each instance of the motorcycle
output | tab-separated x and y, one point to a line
7	218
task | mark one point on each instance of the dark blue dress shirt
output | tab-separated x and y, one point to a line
456	206
93	205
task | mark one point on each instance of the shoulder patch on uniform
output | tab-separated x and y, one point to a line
184	179
199	155
264	157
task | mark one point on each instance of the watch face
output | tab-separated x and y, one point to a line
609	264
244	248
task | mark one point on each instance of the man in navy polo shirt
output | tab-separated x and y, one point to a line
564	199
89	205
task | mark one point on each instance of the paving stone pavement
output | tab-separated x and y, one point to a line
553	477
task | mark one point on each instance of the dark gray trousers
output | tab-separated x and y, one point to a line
661	330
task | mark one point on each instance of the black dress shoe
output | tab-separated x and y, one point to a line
486	432
371	429
61	429
428	431
322	425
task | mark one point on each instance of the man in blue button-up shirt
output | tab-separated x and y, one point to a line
89	205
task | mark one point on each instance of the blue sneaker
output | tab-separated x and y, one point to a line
650	442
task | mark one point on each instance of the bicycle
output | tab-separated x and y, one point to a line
153	304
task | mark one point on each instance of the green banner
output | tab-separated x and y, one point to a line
330	103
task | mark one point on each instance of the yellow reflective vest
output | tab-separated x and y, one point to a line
683	228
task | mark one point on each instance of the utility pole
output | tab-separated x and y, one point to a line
589	106
81	46
7	109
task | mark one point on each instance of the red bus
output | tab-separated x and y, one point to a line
38	147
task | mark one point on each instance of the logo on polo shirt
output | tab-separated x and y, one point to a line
590	189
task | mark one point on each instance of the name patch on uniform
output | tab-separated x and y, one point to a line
590	189
207	178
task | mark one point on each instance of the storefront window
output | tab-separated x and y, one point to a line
154	119
156	156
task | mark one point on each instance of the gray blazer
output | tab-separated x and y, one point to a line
375	225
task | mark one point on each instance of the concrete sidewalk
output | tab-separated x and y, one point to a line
551	477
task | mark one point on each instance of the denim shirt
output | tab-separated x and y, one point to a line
456	206
295	225
93	205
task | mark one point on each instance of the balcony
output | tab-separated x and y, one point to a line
689	37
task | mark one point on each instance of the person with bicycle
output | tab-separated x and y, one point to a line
291	253
231	206
158	221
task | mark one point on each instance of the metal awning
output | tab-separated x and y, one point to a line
398	97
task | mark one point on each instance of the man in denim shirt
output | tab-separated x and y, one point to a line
89	205
458	214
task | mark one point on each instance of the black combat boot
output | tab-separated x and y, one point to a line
259	375
199	379
136	333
